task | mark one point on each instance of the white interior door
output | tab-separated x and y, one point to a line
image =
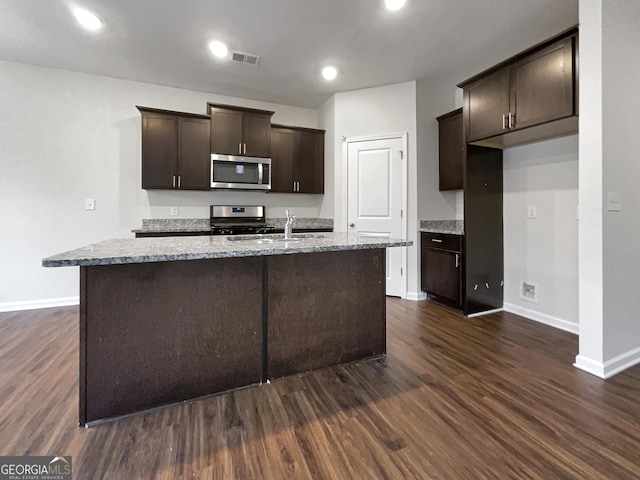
374	197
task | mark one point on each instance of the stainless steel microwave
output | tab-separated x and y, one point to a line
240	173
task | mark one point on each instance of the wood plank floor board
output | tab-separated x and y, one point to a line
493	397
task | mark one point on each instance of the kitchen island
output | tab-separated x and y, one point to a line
165	320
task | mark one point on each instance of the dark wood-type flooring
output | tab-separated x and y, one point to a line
493	397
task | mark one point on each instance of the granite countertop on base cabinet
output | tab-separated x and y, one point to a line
200	225
452	227
168	249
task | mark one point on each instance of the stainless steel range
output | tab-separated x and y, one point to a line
238	220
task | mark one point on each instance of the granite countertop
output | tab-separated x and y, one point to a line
145	250
453	227
196	225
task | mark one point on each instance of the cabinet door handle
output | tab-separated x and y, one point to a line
179	180
298	186
457	260
245	149
240	148
504	121
294	186
174	181
436	240
512	120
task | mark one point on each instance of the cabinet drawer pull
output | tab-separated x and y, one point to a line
436	240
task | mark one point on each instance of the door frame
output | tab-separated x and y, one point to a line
403	136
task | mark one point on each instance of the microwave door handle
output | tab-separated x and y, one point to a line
260	173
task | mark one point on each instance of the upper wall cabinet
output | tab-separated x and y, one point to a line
451	150
297	160
240	131
530	97
175	150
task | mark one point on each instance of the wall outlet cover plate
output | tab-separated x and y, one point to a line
614	202
529	291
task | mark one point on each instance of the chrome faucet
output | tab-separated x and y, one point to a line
288	227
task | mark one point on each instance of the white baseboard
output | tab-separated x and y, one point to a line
486	312
35	304
590	366
611	367
621	362
542	318
416	296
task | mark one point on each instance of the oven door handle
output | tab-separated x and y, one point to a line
260	173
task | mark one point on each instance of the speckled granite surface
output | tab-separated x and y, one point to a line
170	225
143	250
174	225
304	223
455	227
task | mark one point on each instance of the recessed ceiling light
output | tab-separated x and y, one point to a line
87	19
218	48
329	73
395	4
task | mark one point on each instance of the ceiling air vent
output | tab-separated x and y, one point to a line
247	58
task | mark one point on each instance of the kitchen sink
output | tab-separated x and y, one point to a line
274	238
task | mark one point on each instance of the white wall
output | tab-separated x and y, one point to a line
373	111
542	250
434	97
621	171
590	187
327	121
67	136
609	153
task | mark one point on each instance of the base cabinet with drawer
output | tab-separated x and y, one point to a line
441	267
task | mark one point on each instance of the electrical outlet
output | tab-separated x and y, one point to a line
174	211
90	204
614	202
529	291
532	211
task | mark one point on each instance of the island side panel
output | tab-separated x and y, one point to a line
159	333
325	309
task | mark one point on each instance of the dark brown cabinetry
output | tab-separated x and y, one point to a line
297	160
175	150
536	88
530	97
488	101
483	230
451	150
441	270
240	131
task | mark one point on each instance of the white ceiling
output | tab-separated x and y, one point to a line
165	41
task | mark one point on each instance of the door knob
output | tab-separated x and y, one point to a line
352	225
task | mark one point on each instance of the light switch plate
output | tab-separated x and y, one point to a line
614	202
532	211
90	204
174	211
